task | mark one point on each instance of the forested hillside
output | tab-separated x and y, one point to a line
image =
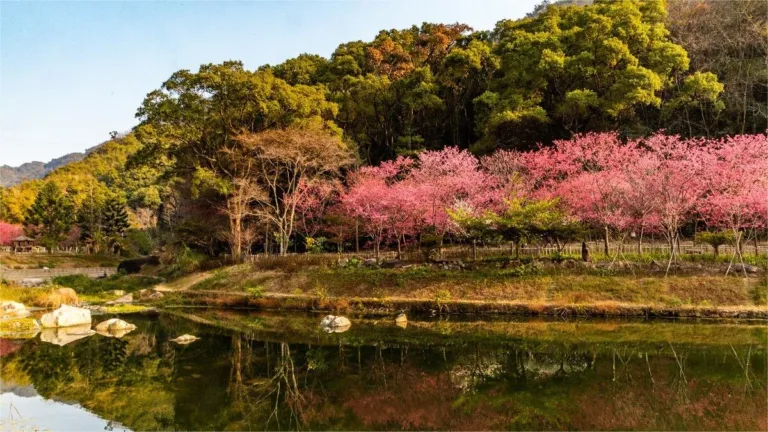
207	164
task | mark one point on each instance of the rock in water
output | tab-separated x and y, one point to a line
114	327
12	309
401	318
332	321
66	316
65	335
114	324
185	339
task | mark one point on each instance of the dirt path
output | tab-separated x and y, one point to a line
183	283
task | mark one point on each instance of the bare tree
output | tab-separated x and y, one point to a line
282	159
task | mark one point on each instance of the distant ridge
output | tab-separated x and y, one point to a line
10	176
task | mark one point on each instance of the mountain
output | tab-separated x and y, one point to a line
10	176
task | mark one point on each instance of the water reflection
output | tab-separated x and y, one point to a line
282	372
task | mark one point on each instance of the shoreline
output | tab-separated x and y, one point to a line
383	306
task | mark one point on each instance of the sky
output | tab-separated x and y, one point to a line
71	72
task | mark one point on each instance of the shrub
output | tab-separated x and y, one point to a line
715	239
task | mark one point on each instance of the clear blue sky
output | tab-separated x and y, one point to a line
70	72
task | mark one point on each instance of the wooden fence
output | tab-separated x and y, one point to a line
573	249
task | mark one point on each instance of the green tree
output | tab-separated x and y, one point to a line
90	222
572	69
51	216
115	223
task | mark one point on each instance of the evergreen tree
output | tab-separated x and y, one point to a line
90	221
51	216
115	223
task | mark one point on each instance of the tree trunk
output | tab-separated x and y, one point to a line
606	240
585	252
640	242
474	250
757	251
357	236
717	250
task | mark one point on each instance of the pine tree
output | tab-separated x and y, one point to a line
90	222
115	223
51	216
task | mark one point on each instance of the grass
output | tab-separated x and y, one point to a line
19	261
19	327
124	309
531	282
85	285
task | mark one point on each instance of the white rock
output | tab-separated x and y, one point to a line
114	324
65	335
401	318
12	309
66	316
332	321
185	339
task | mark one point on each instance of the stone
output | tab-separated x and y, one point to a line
402	325
156	295
343	262
114	324
66	335
12	309
128	298
370	262
401	318
185	339
739	267
118	292
66	316
390	264
332	322
30	282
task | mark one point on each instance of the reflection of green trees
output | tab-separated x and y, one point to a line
238	381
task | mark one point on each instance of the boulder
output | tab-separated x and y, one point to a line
402	325
66	316
30	282
114	324
128	298
12	309
118	292
156	295
740	268
370	262
65	335
185	339
401	318
333	322
390	264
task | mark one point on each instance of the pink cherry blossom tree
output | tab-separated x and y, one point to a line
8	232
736	175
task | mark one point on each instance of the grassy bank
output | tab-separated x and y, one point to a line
56	260
493	287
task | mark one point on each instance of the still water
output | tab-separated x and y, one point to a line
258	371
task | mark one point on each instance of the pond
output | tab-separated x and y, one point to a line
279	371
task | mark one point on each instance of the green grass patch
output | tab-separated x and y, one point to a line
125	309
85	285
